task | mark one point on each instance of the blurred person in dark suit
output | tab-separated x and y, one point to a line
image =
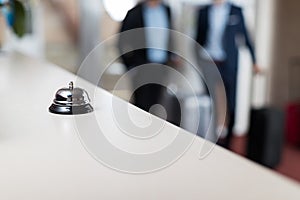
221	29
147	14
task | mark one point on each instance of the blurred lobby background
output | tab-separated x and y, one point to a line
65	31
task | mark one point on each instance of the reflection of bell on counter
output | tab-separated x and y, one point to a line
71	101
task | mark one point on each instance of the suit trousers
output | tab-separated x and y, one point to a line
149	94
229	77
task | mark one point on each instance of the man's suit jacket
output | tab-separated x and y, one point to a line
127	42
235	30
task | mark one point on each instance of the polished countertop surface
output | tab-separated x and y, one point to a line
42	156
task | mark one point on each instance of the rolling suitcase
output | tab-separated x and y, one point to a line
265	141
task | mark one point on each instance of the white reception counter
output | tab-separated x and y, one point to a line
42	158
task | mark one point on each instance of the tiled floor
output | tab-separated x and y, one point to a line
290	164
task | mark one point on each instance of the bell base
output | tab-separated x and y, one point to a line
70	110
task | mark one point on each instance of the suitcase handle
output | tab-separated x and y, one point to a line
259	90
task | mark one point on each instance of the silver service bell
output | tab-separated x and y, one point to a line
71	101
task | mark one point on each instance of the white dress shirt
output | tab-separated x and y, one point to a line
156	17
218	18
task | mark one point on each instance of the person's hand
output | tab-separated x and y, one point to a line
257	69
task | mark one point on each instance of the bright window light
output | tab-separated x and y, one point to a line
118	9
